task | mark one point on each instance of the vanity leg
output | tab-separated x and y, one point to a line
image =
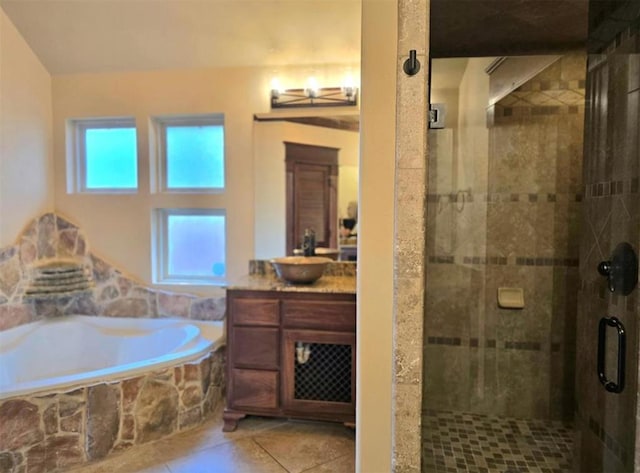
231	419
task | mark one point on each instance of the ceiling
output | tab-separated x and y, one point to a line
476	28
75	36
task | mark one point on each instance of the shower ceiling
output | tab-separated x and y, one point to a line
473	28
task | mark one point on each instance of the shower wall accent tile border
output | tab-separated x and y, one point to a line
609	188
495	197
503	261
473	342
503	115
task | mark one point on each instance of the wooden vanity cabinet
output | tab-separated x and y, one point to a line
290	354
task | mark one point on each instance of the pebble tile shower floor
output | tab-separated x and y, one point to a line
456	442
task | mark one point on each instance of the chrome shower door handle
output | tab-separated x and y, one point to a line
618	386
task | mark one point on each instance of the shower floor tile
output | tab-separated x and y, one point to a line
460	442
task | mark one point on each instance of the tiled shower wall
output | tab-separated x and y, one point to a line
514	225
51	238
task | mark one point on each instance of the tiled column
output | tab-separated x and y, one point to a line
409	239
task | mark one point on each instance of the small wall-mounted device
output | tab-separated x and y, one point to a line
437	115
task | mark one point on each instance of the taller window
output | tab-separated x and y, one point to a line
105	157
191	153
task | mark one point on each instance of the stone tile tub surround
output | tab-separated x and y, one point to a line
52	431
51	238
48	433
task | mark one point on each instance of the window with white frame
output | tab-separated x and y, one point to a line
103	155
189	246
190	152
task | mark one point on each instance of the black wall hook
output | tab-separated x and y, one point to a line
411	66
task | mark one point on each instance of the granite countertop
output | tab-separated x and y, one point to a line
327	284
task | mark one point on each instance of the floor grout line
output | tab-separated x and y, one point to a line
269	453
327	462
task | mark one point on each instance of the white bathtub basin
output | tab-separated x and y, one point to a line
60	353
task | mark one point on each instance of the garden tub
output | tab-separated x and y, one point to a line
56	354
78	388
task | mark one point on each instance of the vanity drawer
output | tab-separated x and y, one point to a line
323	315
255	347
254	389
255	311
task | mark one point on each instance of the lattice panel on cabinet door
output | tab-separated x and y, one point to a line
326	374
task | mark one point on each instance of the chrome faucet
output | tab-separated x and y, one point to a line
309	242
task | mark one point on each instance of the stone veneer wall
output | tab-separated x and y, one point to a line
48	433
51	238
521	229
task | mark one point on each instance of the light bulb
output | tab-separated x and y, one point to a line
349	86
276	88
349	82
312	88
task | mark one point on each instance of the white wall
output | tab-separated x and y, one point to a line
269	170
376	236
473	138
26	167
118	226
443	143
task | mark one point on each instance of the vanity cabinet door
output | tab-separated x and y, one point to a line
318	374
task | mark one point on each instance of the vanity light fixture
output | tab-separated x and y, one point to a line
313	95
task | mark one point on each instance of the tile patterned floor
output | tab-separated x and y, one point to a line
459	442
259	445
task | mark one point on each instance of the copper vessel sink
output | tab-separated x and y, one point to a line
300	269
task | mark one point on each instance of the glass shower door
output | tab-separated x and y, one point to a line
503	205
607	328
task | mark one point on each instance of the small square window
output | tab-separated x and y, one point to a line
189	246
104	156
191	153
